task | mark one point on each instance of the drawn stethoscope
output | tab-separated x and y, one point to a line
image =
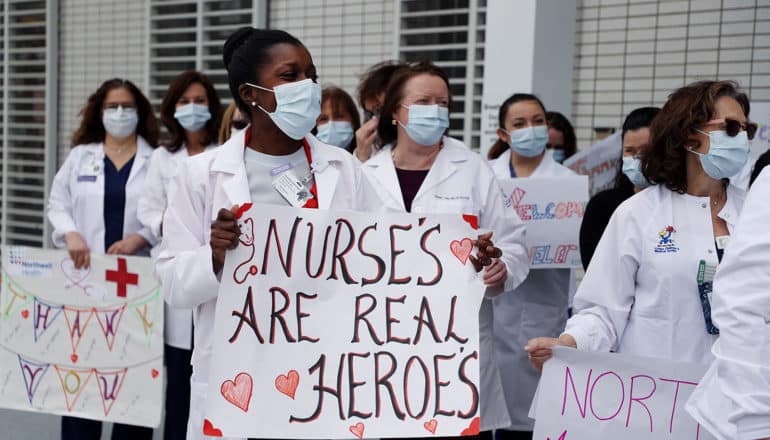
246	239
78	278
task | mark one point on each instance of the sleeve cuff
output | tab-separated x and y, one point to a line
151	238
753	427
581	336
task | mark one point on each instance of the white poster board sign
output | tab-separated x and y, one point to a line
600	162
85	343
341	325
552	208
603	396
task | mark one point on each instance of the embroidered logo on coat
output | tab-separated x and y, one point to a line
665	241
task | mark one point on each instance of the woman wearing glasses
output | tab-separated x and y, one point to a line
642	293
93	202
190	111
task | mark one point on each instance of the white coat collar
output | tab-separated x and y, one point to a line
143	153
235	183
448	160
502	168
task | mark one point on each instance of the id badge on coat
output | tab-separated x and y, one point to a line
705	288
89	171
292	189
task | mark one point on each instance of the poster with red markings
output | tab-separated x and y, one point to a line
346	325
603	396
81	342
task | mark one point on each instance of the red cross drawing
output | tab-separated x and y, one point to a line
122	277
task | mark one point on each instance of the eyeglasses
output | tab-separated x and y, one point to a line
732	127
238	124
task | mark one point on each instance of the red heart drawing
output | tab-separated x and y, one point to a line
25	313
210	430
74	358
462	249
358	430
239	392
431	425
287	384
154	373
241	209
473	428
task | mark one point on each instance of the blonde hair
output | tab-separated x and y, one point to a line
227	119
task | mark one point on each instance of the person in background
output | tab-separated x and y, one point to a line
635	137
762	161
273	81
732	400
233	121
421	170
562	142
339	119
190	111
94	196
538	306
371	92
641	294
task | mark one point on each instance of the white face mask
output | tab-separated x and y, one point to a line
337	133
297	106
120	122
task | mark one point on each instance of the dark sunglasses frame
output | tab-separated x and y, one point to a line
733	127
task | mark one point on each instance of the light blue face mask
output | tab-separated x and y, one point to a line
337	133
120	122
632	168
529	141
426	124
192	117
297	106
558	155
726	155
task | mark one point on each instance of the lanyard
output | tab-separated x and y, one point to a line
312	203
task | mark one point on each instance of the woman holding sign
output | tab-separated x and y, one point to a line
647	290
421	170
273	80
93	202
539	305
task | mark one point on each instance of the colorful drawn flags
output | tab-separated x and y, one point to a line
73	382
77	322
45	315
110	383
33	373
109	321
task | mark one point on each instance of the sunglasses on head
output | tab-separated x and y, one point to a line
732	127
238	124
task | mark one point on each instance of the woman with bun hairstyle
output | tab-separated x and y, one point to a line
273	81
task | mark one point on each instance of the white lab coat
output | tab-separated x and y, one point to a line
178	322
638	301
733	399
538	307
78	204
460	181
204	184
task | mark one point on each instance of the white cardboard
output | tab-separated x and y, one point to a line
600	162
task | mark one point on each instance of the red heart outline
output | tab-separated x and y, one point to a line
287	384
430	425
25	313
74	358
462	249
210	430
238	392
154	373
473	429
357	429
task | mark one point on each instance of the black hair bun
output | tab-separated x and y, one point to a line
235	41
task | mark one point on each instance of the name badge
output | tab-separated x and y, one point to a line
89	170
292	189
705	279
86	178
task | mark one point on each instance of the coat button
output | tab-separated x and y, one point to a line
703	205
711	251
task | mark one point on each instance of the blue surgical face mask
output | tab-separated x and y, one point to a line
426	124
337	133
726	156
297	106
529	141
120	122
192	117
632	168
558	155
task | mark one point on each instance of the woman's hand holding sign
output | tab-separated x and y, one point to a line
488	256
541	349
224	235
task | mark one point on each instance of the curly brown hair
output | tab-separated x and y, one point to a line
168	107
91	129
674	130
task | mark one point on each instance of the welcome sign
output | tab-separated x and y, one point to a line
336	324
81	342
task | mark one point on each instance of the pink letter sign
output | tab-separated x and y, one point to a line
335	324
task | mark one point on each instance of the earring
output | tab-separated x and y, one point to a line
253	103
394	122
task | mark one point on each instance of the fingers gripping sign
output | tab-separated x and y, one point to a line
225	232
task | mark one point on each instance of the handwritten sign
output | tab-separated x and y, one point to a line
81	342
332	324
607	396
552	208
600	162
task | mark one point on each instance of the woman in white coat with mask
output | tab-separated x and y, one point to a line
273	80
641	294
93	202
733	399
190	112
419	170
539	305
